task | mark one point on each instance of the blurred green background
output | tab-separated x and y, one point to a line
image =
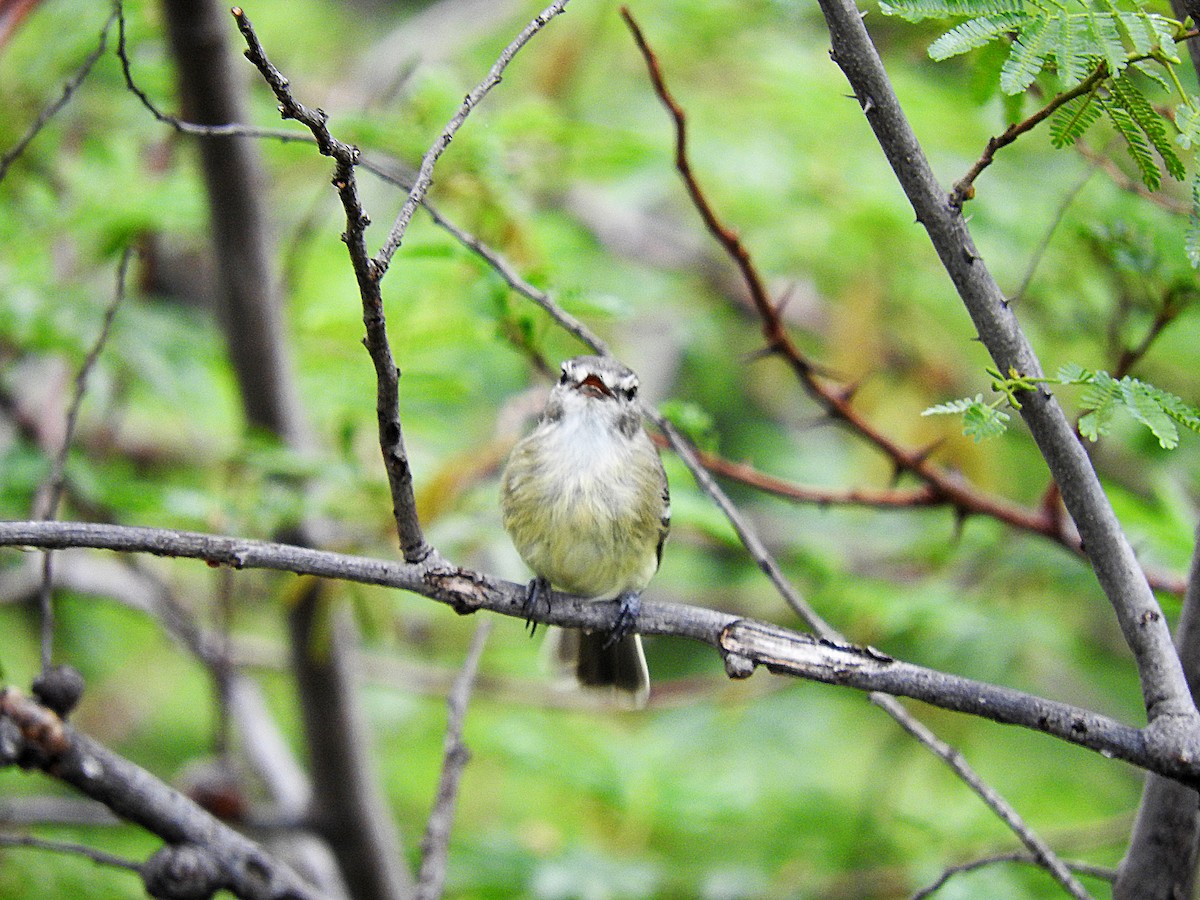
763	788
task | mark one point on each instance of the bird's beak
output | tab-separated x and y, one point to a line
592	386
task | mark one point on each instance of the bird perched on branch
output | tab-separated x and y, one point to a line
584	498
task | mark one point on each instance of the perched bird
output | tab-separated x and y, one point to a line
584	498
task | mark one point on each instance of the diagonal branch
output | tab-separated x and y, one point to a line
36	738
779	341
964	188
424	177
945	487
51	109
1168	703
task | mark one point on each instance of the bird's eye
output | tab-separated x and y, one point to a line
563	378
631	391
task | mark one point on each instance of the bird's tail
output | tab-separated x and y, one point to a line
587	660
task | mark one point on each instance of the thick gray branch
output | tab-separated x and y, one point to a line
1168	703
1161	859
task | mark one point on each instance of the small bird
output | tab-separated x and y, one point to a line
584	498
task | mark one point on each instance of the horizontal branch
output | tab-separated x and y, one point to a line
743	643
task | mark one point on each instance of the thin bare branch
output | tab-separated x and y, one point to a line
1081	868
435	847
964	188
99	857
387	375
47	503
52	109
226	129
424	177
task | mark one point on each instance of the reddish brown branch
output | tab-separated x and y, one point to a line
777	338
941	486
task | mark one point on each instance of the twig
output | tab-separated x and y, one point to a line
743	643
1104	873
47	505
180	125
51	109
100	857
424	177
435	846
776	336
779	341
1040	851
387	375
964	188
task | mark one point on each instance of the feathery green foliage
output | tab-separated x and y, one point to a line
1103	399
1116	44
980	420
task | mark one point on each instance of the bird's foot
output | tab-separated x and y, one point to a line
630	604
539	587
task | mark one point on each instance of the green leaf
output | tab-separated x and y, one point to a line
973	33
1106	39
954	407
982	421
1150	122
1187	120
1073	373
1135	143
917	10
1073	119
1028	57
1159	410
1165	30
1140	401
1072	65
1192	235
1138	30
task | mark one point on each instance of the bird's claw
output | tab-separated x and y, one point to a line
538	587
630	604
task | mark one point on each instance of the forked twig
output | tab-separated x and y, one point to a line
435	846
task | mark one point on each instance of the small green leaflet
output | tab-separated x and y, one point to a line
980	420
1103	398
